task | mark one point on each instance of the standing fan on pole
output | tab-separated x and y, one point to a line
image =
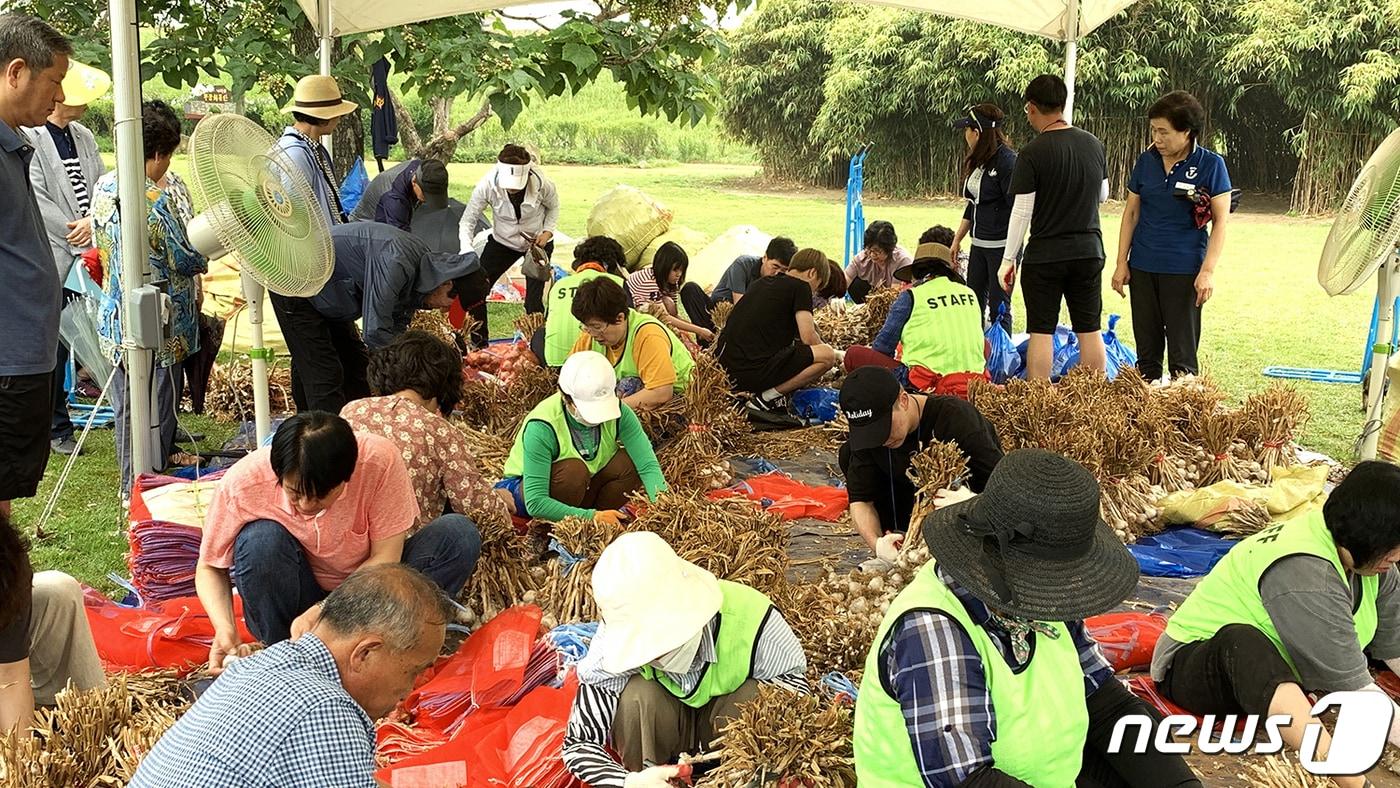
257	206
1365	238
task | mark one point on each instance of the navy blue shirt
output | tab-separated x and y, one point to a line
1166	240
744	271
29	303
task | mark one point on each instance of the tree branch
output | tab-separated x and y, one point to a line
442	146
531	19
408	133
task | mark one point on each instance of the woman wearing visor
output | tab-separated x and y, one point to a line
987	170
524	213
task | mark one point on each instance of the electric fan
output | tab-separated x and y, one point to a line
260	208
1364	240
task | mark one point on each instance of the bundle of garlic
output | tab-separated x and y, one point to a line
697	457
720	315
490	449
931	469
857	325
1281	771
1219	433
498	409
230	393
529	323
782	738
1275	415
435	322
505	573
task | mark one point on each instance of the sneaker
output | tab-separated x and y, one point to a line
66	446
779	405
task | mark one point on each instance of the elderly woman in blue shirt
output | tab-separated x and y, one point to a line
1166	255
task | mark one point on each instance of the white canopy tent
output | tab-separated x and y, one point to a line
1059	20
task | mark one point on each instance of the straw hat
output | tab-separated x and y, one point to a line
929	252
1033	544
319	97
652	601
84	84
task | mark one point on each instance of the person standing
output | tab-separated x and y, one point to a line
1061	177
33	62
524	214
173	261
987	188
395	195
65	169
1166	256
874	266
316	111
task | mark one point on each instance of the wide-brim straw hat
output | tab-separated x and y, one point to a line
1033	544
84	84
926	253
651	601
319	96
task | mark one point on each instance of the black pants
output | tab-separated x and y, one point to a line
62	428
894	508
25	402
329	359
1165	318
983	263
495	259
858	290
1235	672
697	305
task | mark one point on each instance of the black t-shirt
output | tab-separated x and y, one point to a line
1066	170
871	471
764	321
14	636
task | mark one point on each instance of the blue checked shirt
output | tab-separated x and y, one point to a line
937	676
278	718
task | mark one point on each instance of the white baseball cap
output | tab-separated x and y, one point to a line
512	176
590	380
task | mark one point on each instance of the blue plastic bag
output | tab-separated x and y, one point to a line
354	185
1180	552
1064	353
816	405
1119	354
1003	362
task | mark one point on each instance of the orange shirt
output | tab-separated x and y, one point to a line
378	503
652	351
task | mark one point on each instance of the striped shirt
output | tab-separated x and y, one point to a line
936	674
642	285
68	154
778	659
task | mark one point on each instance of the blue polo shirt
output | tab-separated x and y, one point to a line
1166	240
29	301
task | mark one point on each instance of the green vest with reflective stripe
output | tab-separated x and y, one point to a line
551	412
1041	715
741	616
944	332
561	328
626	366
1230	593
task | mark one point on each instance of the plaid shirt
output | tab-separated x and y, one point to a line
937	677
278	718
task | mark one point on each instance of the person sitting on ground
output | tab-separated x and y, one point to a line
597	256
770	346
874	266
1299	607
581	452
303	711
652	363
382	277
291	521
734	283
982	673
835	289
417	381
662	282
396	194
45	642
936	326
678	651
888	425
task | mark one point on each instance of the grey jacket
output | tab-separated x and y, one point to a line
54	192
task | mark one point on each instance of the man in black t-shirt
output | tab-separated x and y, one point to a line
888	424
1061	178
770	346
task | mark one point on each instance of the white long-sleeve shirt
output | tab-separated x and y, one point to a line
539	211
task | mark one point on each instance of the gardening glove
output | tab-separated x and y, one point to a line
610	517
655	777
889	545
945	497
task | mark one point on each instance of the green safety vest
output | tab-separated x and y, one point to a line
551	412
741	616
561	328
1042	718
626	365
944	332
1230	593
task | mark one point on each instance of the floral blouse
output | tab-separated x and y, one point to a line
171	258
443	469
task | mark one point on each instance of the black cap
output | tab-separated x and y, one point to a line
432	179
867	400
975	120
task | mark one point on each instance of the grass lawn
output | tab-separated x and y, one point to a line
1268	310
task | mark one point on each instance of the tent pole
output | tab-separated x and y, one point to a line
323	23
131	196
1071	54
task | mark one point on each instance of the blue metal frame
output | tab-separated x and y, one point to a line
855	205
1337	375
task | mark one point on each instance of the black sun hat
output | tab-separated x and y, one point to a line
1033	544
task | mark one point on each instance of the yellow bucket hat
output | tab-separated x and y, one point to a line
84	84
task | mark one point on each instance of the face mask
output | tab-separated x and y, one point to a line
680	660
573	411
